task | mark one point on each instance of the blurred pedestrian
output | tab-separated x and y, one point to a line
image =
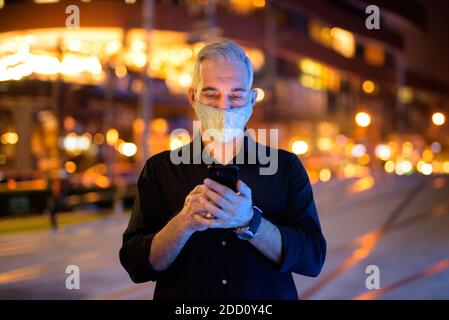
59	184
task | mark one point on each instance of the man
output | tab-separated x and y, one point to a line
199	239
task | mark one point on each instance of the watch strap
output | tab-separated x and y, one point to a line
249	232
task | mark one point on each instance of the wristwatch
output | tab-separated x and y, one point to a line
249	232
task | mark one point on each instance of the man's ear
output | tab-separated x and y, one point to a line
191	96
253	96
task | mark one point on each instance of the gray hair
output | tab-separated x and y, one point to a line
223	49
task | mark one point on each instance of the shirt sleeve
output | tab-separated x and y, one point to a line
145	221
303	244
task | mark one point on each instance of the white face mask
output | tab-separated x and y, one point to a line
228	123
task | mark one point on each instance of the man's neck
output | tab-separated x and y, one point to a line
224	152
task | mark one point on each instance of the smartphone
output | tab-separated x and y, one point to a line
227	175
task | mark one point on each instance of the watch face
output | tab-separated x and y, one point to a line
246	235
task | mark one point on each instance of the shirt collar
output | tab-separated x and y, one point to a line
248	150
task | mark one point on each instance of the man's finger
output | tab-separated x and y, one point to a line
194	199
214	210
197	189
243	189
210	223
196	196
219	200
198	208
220	189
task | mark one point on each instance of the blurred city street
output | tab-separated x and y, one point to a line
398	223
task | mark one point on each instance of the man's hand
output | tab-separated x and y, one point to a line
230	209
193	207
168	242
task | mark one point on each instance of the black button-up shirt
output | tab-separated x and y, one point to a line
215	263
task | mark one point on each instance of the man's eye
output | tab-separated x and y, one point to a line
210	96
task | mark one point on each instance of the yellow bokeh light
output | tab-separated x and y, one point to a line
10	138
128	149
139	59
70	166
259	3
310	67
438	118
383	152
364	160
405	94
403	167
419	165
137	86
112	136
362	184
138	125
393	146
343	42
325	174
102	181
119	144
300	147
426	169
185	80
98	138
368	86
349	171
437	166
260	94
407	148
121	71
112	47
83	142
389	166
362	119
325	144
159	126
427	155
11	184
446	167
69	123
70	141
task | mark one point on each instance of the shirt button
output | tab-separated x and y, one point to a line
223	243
224	281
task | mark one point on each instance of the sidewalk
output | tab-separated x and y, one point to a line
32	223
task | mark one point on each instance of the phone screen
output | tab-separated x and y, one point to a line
227	175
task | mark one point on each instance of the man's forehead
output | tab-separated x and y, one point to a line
224	71
220	63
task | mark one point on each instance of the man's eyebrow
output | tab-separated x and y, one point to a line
215	89
239	89
209	89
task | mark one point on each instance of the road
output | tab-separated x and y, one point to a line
399	225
